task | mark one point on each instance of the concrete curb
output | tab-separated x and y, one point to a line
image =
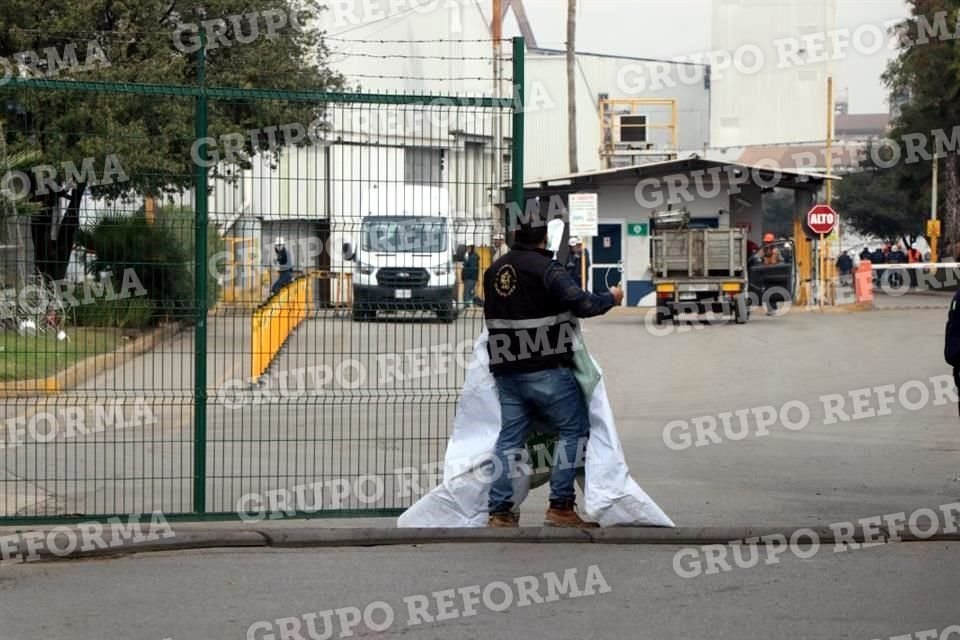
183	540
81	371
281	538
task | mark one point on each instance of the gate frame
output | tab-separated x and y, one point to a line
202	93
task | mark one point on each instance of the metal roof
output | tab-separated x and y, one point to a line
683	165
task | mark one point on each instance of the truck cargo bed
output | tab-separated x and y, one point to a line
698	253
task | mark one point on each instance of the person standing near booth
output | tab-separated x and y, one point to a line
500	247
470	274
574	260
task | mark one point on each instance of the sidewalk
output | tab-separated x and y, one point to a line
920	300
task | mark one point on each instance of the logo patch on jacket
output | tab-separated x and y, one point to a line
506	281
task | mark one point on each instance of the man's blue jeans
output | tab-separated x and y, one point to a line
283	279
554	396
469	291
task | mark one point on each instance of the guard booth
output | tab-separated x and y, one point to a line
717	194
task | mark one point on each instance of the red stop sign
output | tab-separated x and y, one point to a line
822	219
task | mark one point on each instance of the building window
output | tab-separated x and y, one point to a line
422	165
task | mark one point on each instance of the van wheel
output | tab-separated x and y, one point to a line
447	313
361	314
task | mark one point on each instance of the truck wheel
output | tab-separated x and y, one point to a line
741	312
664	315
659	317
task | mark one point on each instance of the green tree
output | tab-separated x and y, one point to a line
150	136
926	73
878	202
159	254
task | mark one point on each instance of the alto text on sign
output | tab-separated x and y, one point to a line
822	219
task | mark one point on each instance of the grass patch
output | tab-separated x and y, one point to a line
40	356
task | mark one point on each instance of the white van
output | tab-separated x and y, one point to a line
403	255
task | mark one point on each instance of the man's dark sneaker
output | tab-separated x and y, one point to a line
502	520
564	514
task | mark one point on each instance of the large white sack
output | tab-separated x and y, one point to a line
611	496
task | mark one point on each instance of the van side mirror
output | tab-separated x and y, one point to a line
348	253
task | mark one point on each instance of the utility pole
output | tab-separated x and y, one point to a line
933	227
572	84
497	33
826	262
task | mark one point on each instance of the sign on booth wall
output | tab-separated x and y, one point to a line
583	214
640	229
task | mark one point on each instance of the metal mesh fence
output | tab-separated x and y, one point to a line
281	304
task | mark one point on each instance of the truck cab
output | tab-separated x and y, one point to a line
403	258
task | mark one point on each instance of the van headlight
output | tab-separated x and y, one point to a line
443	269
365	269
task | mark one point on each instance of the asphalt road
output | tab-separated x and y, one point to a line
818	473
635	592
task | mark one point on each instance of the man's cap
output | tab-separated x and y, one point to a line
574	241
498	236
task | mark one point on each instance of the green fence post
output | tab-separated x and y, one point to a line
516	178
200	296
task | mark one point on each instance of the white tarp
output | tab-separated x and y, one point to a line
611	496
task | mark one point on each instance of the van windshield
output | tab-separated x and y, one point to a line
404	235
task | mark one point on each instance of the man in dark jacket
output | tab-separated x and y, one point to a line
284	266
531	305
574	265
845	268
845	264
897	256
470	274
951	347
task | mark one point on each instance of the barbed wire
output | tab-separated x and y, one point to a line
432	40
425	79
172	31
413	57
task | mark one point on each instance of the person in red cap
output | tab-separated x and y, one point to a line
770	254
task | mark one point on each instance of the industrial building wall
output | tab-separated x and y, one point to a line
774	104
619	78
291	195
434	48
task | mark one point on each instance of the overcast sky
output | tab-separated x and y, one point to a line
667	28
